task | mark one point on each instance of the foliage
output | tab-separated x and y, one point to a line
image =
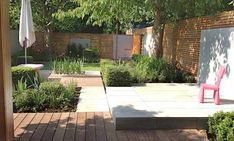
111	13
49	95
21	59
14	13
117	76
40	52
91	55
29	101
138	57
221	126
24	74
67	66
152	70
106	63
74	51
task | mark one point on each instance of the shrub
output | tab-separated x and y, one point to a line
21	59
221	126
91	55
40	52
30	101
49	88
49	95
106	63
67	66
24	74
152	70
117	76
74	51
138	57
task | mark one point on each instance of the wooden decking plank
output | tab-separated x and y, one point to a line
122	136
32	127
100	127
163	136
49	133
109	126
42	127
61	128
23	126
80	127
71	128
152	135
90	127
147	135
132	135
19	119
15	115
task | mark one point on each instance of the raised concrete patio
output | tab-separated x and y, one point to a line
162	106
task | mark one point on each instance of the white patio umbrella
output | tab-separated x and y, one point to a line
26	30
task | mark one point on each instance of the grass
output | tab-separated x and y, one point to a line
86	66
91	67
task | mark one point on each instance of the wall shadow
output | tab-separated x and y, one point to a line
214	49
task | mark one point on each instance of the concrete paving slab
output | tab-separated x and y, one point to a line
176	102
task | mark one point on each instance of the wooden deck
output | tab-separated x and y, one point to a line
88	127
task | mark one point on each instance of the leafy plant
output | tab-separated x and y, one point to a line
91	55
117	76
30	100
67	66
24	74
138	57
49	95
21	59
221	126
74	51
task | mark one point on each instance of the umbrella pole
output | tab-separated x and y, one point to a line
25	51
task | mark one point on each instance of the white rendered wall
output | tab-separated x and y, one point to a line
216	49
148	44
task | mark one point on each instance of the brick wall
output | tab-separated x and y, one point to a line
184	38
60	42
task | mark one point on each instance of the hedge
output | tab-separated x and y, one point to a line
26	74
117	76
221	126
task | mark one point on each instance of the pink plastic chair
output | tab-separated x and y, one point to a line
214	87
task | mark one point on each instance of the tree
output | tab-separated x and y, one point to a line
125	13
43	16
120	13
166	11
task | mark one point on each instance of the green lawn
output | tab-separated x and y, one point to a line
91	67
86	66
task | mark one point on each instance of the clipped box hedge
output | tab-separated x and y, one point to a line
26	74
117	76
221	126
91	55
21	59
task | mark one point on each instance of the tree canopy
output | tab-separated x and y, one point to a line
111	12
44	12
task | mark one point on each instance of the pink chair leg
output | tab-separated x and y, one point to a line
201	95
217	98
214	94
